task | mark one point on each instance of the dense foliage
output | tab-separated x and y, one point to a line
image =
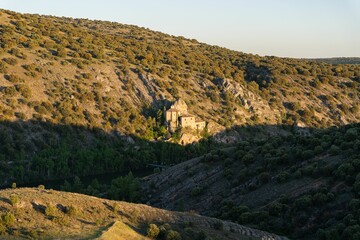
316	177
33	151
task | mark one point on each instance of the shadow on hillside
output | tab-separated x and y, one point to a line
5	200
38	207
35	151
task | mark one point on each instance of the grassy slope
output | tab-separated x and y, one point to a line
96	218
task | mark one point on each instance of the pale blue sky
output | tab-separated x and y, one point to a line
293	28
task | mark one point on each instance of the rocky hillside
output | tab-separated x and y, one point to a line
303	187
117	77
30	213
72	91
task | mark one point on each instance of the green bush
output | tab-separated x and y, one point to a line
153	231
2	229
71	211
8	219
264	177
24	90
307	154
282	177
3	68
116	208
14	199
356	187
50	210
10	61
14	78
303	202
248	158
218	225
196	191
173	235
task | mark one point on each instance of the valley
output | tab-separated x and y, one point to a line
102	110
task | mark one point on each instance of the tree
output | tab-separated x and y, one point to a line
125	188
77	186
248	158
173	235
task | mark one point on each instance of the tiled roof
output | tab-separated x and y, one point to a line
172	110
187	115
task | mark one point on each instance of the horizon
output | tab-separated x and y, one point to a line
310	29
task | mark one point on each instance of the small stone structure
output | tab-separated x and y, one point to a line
177	116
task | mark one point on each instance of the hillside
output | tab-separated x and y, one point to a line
344	60
37	213
303	187
116	77
81	98
73	90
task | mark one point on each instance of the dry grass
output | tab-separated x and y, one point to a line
122	231
45	214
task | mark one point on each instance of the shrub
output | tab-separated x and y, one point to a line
334	150
318	149
356	186
14	78
20	115
71	211
218	225
248	158
264	177
2	68
35	234
8	219
245	217
9	91
307	154
173	235
163	230
14	199
24	90
2	229
50	210
116	208
282	177
10	61
153	231
196	191
354	204
303	202
40	109
201	235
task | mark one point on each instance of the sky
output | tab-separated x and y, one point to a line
286	28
